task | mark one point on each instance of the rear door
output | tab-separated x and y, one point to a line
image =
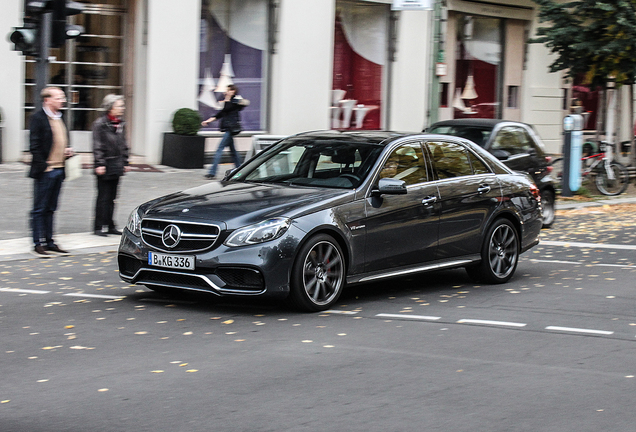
468	192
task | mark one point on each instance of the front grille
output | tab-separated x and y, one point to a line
195	237
241	278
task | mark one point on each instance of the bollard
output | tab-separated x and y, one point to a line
572	148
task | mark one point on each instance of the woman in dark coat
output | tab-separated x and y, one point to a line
230	124
110	152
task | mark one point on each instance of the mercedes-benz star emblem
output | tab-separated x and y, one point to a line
171	236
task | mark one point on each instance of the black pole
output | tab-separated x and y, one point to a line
42	59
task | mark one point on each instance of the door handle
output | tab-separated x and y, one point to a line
429	200
483	189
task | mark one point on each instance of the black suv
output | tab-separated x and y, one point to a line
515	144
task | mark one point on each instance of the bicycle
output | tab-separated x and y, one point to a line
610	178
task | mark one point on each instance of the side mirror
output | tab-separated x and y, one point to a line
389	186
501	154
229	173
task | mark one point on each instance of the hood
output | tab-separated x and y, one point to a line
234	204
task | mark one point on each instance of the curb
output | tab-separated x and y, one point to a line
75	243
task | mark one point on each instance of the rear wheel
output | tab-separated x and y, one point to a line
499	254
612	180
318	275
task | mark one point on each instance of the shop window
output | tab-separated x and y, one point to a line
233	50
443	95
87	68
513	97
479	47
360	54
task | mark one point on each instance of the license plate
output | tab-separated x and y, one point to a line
171	261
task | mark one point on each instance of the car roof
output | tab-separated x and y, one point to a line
369	136
478	122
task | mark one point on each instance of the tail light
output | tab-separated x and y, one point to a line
548	159
535	192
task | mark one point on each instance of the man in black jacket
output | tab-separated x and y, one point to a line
49	145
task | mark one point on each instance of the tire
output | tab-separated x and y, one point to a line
548	204
318	274
615	186
499	254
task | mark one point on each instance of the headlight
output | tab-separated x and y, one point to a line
134	223
258	233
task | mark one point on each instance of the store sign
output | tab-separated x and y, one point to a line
412	5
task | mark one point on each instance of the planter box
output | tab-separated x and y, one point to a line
183	151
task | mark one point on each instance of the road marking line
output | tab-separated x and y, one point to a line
94	296
589	245
415	317
579	330
24	291
332	311
499	323
582	263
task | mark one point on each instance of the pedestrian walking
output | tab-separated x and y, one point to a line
110	153
230	124
49	147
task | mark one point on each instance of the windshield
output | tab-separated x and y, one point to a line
478	135
310	161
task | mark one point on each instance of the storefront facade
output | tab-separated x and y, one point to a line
304	65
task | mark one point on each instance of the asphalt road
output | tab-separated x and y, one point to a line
553	350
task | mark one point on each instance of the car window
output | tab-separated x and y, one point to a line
406	163
478	135
478	165
512	139
449	160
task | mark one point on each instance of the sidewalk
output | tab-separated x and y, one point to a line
74	217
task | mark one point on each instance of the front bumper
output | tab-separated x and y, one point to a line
257	270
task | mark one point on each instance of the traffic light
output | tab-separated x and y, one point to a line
26	38
62	31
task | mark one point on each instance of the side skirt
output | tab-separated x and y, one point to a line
438	265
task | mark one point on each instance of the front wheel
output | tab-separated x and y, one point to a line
318	275
612	179
499	254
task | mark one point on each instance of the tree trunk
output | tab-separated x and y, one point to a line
632	148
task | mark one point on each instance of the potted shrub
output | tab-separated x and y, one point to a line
184	148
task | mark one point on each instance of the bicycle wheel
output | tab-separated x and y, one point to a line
612	180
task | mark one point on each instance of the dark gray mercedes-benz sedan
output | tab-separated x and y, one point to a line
320	210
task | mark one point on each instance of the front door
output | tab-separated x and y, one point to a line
402	229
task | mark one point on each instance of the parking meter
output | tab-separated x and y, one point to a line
572	152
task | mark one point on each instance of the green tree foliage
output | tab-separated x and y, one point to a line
592	38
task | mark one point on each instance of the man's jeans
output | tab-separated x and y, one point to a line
45	196
226	141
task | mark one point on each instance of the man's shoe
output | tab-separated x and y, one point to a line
56	250
40	252
209	176
100	233
114	231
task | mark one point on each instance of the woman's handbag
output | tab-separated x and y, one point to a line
73	167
